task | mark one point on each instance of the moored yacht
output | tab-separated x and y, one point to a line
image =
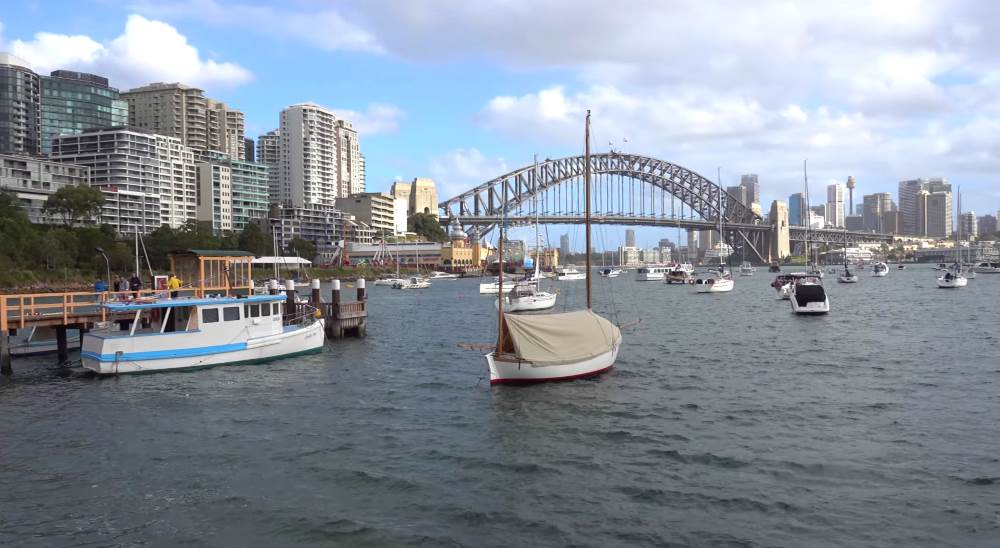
189	333
952	278
567	273
438	275
809	297
414	282
650	273
609	272
880	270
525	296
747	269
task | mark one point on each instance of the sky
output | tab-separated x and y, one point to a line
465	91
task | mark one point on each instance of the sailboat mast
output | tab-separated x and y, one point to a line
538	236
807	212
586	184
722	238
500	303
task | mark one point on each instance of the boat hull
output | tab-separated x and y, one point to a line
294	342
720	286
534	302
956	282
571	277
514	372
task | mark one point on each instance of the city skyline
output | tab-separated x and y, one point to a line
419	110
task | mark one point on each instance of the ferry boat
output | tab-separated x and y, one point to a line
567	273
651	273
191	333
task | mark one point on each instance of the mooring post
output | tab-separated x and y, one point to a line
272	287
62	349
289	299
335	296
361	290
5	368
315	298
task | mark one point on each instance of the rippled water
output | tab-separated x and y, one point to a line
727	422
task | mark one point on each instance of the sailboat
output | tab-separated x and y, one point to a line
551	347
847	277
954	277
526	295
390	281
414	282
723	280
808	296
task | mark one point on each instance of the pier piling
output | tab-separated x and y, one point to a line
5	368
361	289
289	299
315	298
62	348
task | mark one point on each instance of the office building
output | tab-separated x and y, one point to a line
908	191
751	187
835	211
75	101
147	180
738	193
248	146
181	111
564	245
375	209
796	209
629	238
934	214
890	222
854	222
874	206
32	180
986	225
968	228
231	193
20	107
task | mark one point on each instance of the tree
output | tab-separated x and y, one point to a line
255	240
302	247
74	203
428	226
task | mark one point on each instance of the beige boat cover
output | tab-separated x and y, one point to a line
547	339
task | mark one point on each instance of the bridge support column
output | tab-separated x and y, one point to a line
62	349
5	368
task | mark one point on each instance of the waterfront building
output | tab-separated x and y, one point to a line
650	256
986	225
147	180
20	107
629	238
629	256
835	211
974	254
375	209
74	101
231	193
796	209
934	214
181	111
409	254
464	253
874	207
33	180
967	226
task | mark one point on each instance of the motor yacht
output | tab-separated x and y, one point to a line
809	297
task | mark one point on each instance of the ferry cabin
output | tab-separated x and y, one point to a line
198	332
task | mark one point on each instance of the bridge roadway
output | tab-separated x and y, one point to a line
833	236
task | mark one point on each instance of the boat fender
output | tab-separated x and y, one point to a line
318	313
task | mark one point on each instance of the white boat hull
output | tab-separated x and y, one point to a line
294	342
389	281
538	301
515	372
571	277
811	307
493	289
853	279
719	286
954	282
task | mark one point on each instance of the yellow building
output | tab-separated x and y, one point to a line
463	253
550	258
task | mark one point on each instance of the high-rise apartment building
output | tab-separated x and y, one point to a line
248	146
375	209
181	111
835	211
908	191
269	154
350	174
308	157
231	193
33	180
20	107
629	238
934	214
147	180
797	209
76	101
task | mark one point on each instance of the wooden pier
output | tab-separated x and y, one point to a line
345	318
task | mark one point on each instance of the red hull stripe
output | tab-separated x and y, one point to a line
552	379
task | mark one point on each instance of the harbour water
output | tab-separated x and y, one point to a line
728	421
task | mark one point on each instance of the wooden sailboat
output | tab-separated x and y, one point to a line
553	347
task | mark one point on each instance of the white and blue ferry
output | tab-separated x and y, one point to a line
190	333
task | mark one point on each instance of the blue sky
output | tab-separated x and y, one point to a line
463	91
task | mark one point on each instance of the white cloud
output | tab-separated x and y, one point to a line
378	118
460	169
146	51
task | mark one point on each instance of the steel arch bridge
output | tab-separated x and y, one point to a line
626	189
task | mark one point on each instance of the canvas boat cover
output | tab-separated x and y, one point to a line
547	339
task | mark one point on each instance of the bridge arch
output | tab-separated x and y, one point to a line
699	193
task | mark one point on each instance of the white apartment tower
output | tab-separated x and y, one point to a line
835	212
351	179
269	154
309	159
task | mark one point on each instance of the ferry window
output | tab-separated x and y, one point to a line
277	310
209	315
254	310
231	313
265	309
